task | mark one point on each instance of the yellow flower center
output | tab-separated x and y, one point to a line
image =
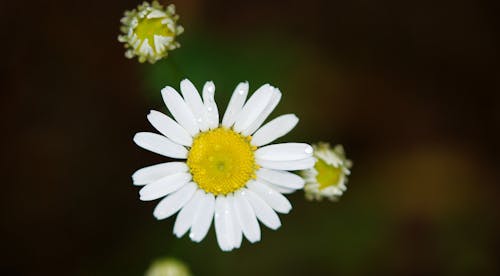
221	161
147	28
328	175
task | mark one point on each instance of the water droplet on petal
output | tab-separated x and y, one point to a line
211	88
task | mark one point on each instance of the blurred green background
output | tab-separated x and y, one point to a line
410	88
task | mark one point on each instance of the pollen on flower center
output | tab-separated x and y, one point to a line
221	161
328	175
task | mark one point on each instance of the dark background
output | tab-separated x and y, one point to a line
410	88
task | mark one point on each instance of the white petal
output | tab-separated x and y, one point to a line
223	226
246	217
212	114
193	100
164	186
174	202
180	110
152	173
284	152
230	222
203	218
156	14
168	127
280	189
235	104
294	165
160	42
275	99
254	107
237	232
160	144
282	178
186	216
274	129
276	200
145	48
262	210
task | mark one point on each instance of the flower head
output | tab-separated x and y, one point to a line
328	177
150	31
168	267
231	175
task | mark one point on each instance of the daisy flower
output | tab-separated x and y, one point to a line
168	267
149	31
231	176
328	177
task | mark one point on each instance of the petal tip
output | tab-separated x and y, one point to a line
137	137
277	226
167	90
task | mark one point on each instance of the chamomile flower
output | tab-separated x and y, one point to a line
231	175
328	177
150	31
168	267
